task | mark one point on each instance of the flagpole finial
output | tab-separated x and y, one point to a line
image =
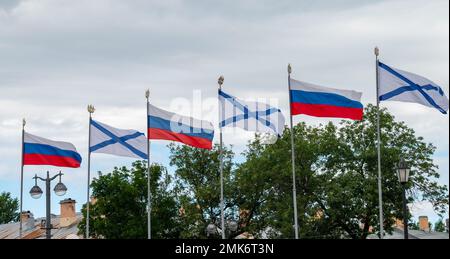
377	51
220	81
289	68
91	108
24	122
147	93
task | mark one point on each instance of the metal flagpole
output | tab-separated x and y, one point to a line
21	178
222	217
380	194
149	194
91	110
294	190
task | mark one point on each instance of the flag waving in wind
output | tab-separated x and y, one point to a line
108	140
41	151
187	130
319	101
398	85
250	116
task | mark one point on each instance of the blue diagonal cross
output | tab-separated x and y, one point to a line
115	139
258	115
411	87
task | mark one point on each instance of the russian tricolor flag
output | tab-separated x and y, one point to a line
319	101
170	126
41	151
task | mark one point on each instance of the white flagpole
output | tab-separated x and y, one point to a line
222	217
294	190
380	193
91	110
149	194
21	178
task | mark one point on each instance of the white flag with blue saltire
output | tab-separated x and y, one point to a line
120	142
399	85
250	116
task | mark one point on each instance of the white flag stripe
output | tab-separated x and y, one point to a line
308	87
29	138
134	146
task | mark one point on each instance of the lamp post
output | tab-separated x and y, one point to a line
36	192
403	175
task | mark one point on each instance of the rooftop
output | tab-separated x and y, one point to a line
413	234
33	229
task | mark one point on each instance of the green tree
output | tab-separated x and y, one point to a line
336	171
336	174
414	225
8	208
264	184
439	226
197	186
120	210
351	171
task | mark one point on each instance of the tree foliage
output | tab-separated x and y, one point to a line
197	185
337	173
8	208
336	182
120	207
439	226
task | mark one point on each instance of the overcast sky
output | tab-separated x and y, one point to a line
57	56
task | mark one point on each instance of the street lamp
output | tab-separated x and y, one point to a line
232	225
36	192
60	189
403	176
212	229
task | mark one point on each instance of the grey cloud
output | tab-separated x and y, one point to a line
107	52
62	55
8	4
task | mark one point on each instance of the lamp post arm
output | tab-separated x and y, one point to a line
50	179
40	178
53	178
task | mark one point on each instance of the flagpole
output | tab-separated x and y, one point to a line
91	110
222	217
149	194
21	178
380	194
294	190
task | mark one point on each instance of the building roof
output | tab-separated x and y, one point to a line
428	235
413	234
33	230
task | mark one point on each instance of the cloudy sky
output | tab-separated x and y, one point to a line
57	56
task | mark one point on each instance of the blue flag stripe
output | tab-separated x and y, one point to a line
332	99
35	148
160	123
